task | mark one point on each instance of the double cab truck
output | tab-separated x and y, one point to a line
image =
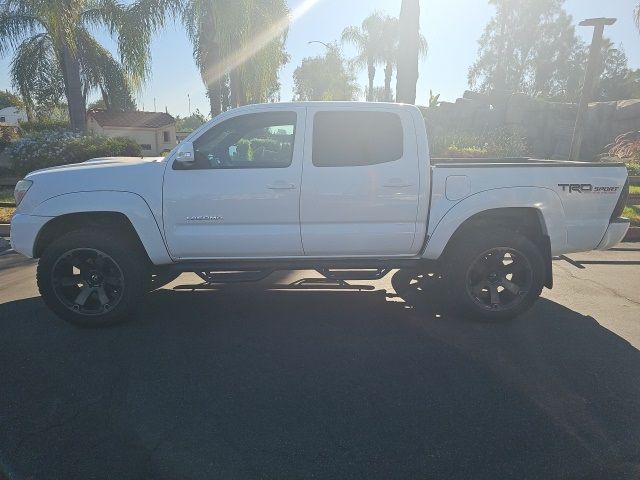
348	189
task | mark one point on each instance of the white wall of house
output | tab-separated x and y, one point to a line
12	115
153	141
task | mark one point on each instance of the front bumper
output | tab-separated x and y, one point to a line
615	233
24	232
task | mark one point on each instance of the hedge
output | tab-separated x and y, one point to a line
41	149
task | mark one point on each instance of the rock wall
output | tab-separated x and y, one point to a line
548	126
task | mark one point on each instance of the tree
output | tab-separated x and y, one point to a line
325	77
239	45
380	94
369	41
55	53
532	47
190	123
528	47
617	81
389	53
8	99
408	51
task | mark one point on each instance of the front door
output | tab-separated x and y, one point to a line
238	193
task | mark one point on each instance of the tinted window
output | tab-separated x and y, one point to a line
347	139
260	140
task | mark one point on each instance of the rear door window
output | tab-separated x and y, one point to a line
351	139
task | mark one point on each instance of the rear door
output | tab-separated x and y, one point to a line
360	182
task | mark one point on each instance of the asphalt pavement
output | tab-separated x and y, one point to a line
280	381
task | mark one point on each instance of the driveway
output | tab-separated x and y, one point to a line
268	381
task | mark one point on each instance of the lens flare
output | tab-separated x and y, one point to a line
238	58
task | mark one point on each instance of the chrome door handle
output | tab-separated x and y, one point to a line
281	186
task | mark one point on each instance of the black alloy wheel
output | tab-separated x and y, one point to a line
493	275
94	277
87	281
499	279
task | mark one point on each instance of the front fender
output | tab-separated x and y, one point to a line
545	200
132	205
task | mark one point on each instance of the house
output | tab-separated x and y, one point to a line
11	116
155	132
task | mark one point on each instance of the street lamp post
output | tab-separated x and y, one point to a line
318	41
595	53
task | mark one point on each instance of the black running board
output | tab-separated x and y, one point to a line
296	264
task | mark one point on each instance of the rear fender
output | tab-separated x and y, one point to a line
544	200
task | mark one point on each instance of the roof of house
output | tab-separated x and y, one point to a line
131	119
11	110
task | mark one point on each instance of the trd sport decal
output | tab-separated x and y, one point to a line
586	188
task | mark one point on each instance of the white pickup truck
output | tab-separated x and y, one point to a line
348	189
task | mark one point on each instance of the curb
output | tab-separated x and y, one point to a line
5	229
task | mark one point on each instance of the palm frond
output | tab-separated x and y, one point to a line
423	46
101	72
354	36
35	71
15	27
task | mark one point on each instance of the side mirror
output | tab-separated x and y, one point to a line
185	157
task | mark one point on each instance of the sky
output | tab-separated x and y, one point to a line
452	29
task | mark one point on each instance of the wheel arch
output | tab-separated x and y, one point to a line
535	212
124	211
527	221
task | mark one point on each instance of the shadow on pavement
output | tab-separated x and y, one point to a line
296	384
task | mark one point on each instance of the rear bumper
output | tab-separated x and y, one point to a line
615	233
24	231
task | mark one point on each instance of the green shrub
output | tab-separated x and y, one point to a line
267	143
465	152
44	126
43	149
634	168
85	148
244	151
445	141
498	143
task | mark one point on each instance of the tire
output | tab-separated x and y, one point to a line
494	276
93	278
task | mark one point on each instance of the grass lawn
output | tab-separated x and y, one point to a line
5	214
6	195
633	214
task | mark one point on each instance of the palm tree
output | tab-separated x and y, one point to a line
390	37
199	18
369	42
55	51
409	51
238	40
390	53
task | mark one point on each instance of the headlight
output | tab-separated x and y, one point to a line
22	187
